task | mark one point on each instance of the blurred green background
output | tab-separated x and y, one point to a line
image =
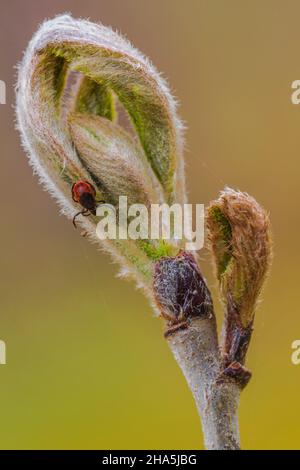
87	365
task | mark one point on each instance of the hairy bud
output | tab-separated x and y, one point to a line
239	235
240	242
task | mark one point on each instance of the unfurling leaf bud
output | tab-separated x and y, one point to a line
180	290
73	76
240	242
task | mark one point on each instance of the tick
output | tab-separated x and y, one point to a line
84	194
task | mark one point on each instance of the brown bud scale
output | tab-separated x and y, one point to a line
180	289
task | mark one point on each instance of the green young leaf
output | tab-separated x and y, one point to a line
114	159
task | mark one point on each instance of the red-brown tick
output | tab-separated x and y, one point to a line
84	193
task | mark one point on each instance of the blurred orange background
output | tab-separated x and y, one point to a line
87	364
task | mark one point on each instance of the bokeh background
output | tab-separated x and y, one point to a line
87	365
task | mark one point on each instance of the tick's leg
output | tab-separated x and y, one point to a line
75	217
100	202
86	213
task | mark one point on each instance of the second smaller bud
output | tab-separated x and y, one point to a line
180	290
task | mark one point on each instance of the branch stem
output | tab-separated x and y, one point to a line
197	353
